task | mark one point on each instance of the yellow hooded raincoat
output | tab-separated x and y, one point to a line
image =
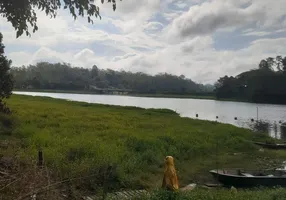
170	180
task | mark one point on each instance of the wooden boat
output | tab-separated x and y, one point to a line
242	178
270	145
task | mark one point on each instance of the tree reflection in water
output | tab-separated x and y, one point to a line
283	131
274	129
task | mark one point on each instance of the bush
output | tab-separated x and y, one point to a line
6	82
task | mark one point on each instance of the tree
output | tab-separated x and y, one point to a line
226	87
263	85
284	64
270	61
6	82
279	62
94	72
22	13
264	64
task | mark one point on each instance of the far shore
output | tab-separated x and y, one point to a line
177	96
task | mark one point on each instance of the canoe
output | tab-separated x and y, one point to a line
271	146
247	179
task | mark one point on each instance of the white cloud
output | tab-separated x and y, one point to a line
213	15
46	54
23	58
84	55
139	40
153	26
257	33
197	44
130	15
210	16
181	4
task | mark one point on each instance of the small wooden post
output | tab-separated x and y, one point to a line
40	158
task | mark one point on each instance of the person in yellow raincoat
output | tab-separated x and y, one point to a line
170	180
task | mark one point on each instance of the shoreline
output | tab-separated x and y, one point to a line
202	97
185	96
140	108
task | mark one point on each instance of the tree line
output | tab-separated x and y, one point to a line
62	76
265	84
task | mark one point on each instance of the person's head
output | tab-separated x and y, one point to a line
169	161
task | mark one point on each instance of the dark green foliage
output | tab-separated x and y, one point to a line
226	87
22	13
64	77
263	85
6	82
6	125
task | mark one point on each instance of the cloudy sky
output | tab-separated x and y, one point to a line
202	39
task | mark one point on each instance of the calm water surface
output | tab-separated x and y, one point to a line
270	117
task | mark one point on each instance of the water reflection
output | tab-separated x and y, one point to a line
261	126
274	129
283	131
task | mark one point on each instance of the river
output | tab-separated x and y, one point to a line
270	117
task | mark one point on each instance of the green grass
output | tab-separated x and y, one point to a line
81	139
222	194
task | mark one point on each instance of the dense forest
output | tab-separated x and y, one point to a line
62	76
266	84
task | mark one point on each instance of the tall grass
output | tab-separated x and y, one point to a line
81	139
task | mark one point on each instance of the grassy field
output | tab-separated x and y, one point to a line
81	139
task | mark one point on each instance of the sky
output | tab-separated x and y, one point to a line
200	39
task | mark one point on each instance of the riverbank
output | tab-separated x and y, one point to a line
175	96
81	140
184	96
